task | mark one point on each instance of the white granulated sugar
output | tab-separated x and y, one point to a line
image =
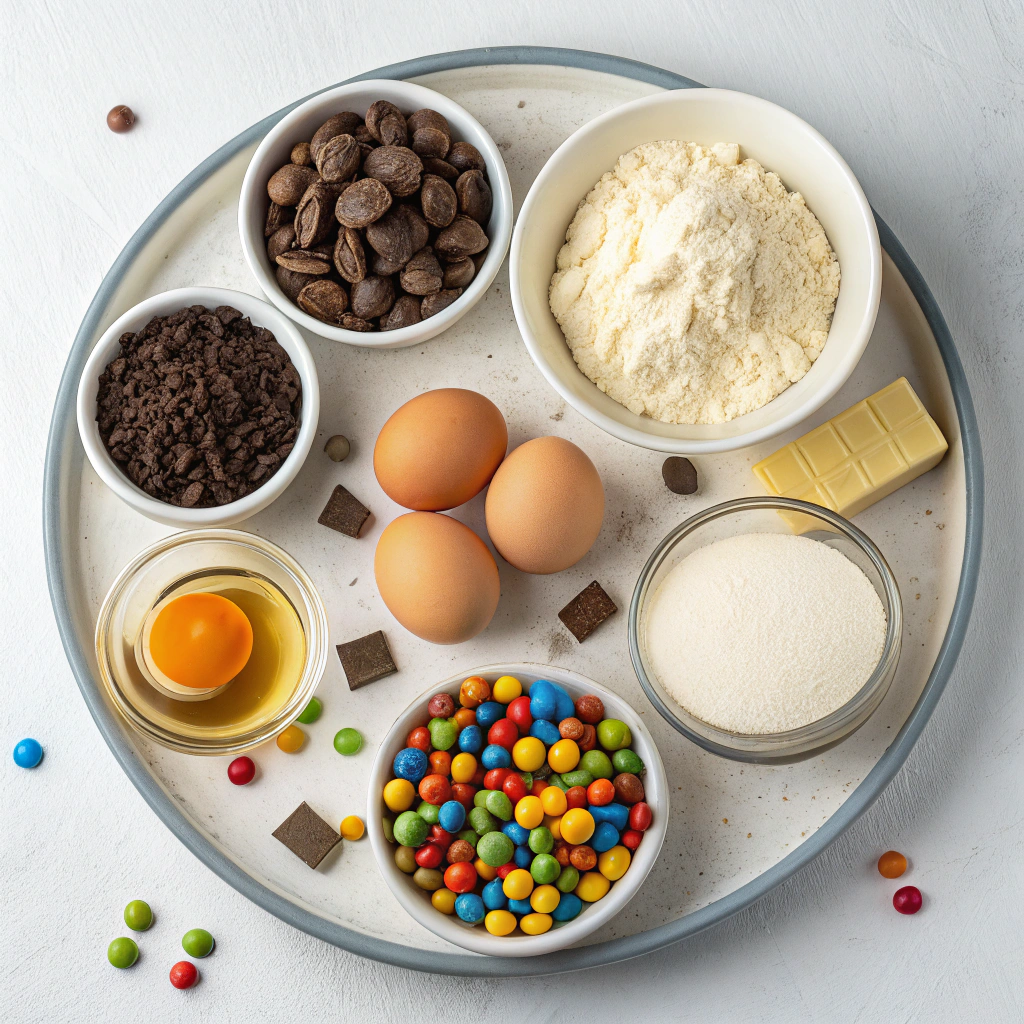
764	632
693	286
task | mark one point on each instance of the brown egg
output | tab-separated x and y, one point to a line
436	576
440	449
545	506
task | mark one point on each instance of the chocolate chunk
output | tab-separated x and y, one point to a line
366	660
307	835
586	611
679	474
344	513
120	118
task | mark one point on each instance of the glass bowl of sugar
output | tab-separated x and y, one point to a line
766	629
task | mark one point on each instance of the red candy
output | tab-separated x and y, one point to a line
640	817
600	793
518	712
506	869
420	739
576	797
589	709
464	793
460	877
588	740
514	787
538	787
429	855
241	771
440	837
435	789
907	900
631	838
478	777
440	706
496	777
503	734
184	974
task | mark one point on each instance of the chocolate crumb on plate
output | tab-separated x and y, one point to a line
307	835
587	610
344	513
366	660
679	474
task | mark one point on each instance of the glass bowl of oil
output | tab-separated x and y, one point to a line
288	652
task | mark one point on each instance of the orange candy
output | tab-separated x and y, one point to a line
464	717
474	691
600	793
892	864
441	762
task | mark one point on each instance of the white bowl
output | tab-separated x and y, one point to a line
475	937
298	126
781	142
262	314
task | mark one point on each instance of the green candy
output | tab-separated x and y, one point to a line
410	829
428	812
527	778
554	779
626	760
469	836
568	879
198	943
495	849
122	952
480	797
545	869
388	826
405	859
138	915
613	734
347	741
541	840
443	732
311	712
598	763
482	821
500	806
577	778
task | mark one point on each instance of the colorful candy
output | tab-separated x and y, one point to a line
198	943
241	771
122	953
352	827
184	974
27	754
138	915
907	900
291	740
311	712
348	741
892	864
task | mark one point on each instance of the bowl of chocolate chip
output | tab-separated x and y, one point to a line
376	213
198	406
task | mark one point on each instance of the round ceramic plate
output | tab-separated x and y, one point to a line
735	831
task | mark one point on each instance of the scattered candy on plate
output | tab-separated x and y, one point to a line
907	900
28	753
892	864
138	915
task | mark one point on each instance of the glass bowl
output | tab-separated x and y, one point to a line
200	727
762	515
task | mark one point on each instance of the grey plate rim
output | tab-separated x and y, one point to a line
431	961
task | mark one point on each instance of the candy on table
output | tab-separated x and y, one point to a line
857	457
892	864
138	915
122	952
184	974
291	739
307	835
311	712
28	753
907	900
366	660
348	741
352	827
197	942
241	771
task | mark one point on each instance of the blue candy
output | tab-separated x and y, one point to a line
564	707
546	732
411	764
543	700
523	856
569	906
471	739
617	814
605	836
519	906
28	753
470	907
495	757
451	816
493	896
516	832
488	713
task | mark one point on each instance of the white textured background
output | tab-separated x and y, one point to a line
923	99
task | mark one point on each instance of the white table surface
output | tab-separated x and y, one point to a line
923	99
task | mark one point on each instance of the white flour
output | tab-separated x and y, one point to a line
694	287
764	632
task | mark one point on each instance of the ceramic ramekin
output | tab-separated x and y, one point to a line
781	142
299	125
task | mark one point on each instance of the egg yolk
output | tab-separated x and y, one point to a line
200	640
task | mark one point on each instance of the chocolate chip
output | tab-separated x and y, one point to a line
679	474
338	448
587	610
366	660
344	513
307	835
120	119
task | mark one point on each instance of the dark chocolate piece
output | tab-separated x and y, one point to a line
366	660
587	610
344	513
307	835
679	474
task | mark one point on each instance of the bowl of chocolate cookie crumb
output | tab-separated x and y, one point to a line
198	406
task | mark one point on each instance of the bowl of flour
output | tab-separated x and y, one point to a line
696	271
762	645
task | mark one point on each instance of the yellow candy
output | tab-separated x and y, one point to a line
504	691
463	767
498	922
553	801
564	756
530	812
577	825
544	899
553	824
399	795
613	863
352	827
291	739
443	900
518	884
535	924
485	871
528	754
592	887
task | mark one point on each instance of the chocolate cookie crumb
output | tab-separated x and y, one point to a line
366	660
679	474
587	610
307	835
344	513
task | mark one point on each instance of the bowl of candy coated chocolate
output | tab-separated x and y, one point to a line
516	809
